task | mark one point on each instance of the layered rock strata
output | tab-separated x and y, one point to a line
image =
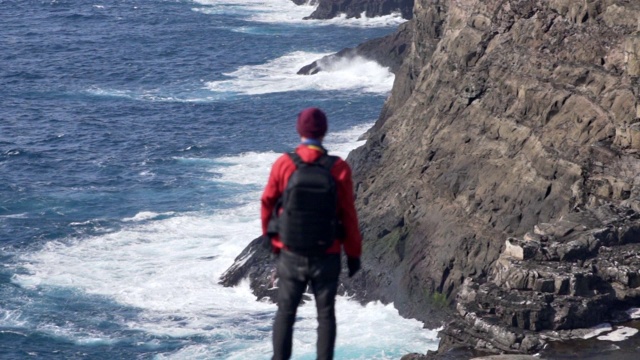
554	283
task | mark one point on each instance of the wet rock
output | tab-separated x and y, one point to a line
388	51
328	9
257	264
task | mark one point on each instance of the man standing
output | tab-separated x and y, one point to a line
309	241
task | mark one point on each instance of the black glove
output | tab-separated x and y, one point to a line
353	263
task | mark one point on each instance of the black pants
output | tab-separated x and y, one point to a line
294	273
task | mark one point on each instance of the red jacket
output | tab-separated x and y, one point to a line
280	173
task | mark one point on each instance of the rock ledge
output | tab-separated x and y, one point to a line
555	283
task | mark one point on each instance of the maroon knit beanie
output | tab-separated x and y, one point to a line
312	123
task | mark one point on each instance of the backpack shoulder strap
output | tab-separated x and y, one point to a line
297	160
327	161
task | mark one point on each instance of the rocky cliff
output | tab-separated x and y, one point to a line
505	115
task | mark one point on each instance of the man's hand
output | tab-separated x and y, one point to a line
353	263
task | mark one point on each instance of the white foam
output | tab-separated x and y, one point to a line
111	93
249	168
132	263
274	9
280	75
79	337
597	330
370	332
15	216
11	318
285	11
147	215
620	334
194	160
634	313
164	268
15	319
81	223
152	95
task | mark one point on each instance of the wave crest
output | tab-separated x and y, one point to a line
280	75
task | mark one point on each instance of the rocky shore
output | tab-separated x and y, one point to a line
499	190
327	9
388	51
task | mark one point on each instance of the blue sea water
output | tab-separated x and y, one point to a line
135	138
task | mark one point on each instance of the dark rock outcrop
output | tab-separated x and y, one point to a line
257	264
328	9
388	51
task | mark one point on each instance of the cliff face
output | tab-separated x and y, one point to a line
505	114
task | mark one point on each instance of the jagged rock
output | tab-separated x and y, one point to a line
525	303
328	9
521	250
388	51
414	356
506	357
257	264
305	2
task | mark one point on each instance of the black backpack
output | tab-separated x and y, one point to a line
308	220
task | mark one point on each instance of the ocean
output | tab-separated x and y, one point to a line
136	137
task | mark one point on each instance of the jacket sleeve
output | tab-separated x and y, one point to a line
271	194
347	210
